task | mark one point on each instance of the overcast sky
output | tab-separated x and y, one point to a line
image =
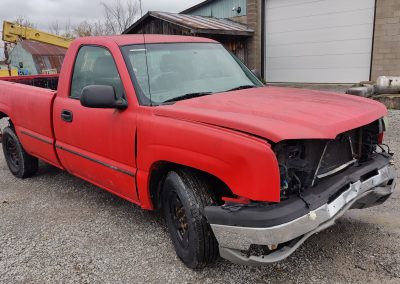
44	12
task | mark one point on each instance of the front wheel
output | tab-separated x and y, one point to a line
185	194
20	163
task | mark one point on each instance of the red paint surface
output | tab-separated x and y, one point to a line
28	77
280	113
224	134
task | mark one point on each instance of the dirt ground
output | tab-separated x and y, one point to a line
57	228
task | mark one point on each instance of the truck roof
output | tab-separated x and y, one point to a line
150	38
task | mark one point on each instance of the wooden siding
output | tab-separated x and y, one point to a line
237	45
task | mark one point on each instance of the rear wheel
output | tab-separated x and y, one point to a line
185	194
20	163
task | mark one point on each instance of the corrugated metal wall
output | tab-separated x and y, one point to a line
35	64
48	64
221	9
18	54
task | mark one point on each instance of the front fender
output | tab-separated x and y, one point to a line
246	164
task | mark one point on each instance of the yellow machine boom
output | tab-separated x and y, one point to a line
13	33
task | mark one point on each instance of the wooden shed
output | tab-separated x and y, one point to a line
231	34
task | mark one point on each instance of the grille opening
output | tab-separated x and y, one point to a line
337	153
305	163
338	193
369	175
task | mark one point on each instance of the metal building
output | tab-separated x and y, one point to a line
325	41
37	58
220	9
231	34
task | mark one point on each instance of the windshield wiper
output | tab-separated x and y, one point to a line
242	87
188	96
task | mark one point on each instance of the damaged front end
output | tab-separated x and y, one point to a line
320	181
304	163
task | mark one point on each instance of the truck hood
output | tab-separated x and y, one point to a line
277	113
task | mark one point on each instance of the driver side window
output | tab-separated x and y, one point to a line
95	65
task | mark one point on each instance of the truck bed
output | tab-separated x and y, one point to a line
42	81
30	110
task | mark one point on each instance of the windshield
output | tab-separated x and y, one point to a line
184	70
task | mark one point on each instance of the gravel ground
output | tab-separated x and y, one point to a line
57	228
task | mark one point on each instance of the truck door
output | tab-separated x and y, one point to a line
95	144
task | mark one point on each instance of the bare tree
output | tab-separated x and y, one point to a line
68	31
55	28
24	21
119	16
98	28
83	29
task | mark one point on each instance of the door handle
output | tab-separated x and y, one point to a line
66	115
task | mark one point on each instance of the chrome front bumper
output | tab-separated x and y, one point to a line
361	194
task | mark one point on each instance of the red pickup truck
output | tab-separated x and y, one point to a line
179	124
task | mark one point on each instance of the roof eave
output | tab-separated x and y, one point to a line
137	23
192	30
223	32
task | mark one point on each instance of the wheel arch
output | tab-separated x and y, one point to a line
159	171
5	115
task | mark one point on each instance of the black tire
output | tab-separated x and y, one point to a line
20	163
184	196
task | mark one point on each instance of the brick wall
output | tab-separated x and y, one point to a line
386	52
240	19
254	43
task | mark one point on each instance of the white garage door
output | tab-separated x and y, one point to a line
318	41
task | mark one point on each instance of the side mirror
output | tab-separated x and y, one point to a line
256	73
101	96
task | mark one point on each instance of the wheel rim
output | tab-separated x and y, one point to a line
12	153
179	220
